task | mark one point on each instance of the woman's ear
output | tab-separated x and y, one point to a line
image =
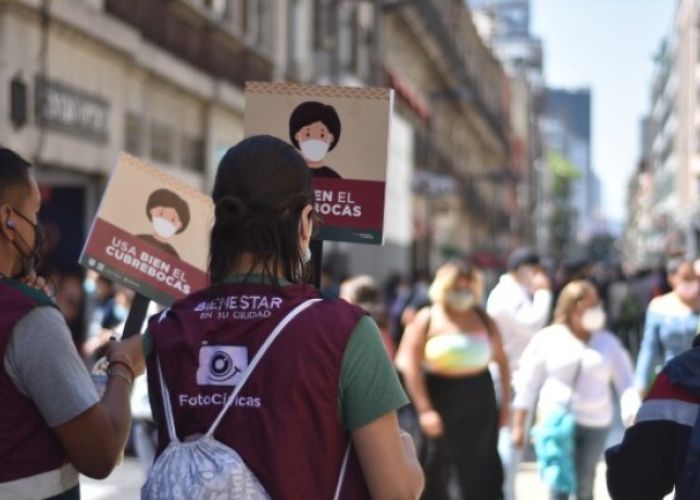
306	224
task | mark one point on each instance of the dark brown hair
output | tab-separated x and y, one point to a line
310	112
261	187
14	175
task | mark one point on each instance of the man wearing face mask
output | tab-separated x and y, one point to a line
314	129
52	424
671	322
170	215
520	304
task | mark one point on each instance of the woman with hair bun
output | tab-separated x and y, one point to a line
324	390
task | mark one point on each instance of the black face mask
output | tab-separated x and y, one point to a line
31	260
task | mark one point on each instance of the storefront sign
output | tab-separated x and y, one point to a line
150	233
72	111
343	134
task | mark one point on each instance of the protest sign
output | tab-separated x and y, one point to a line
343	135
150	233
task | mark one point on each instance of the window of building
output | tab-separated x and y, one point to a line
293	38
257	12
318	11
219	8
161	143
192	153
133	134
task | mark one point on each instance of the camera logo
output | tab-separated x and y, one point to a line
221	365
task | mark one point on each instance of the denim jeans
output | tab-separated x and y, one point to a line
510	458
590	443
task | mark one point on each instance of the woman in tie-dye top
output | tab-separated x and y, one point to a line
671	322
444	356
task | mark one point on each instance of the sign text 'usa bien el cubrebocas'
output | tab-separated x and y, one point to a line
150	233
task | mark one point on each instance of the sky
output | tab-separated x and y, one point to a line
607	45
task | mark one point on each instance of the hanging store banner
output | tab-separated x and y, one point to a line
343	134
149	231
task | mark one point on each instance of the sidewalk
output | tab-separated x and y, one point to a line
125	481
529	487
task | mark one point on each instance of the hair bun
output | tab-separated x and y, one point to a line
231	207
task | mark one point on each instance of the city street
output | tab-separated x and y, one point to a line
126	480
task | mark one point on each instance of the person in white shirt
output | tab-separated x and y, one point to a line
520	304
573	362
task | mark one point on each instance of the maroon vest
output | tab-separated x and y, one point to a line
285	423
28	446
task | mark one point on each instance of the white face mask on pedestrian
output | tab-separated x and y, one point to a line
460	300
688	290
593	319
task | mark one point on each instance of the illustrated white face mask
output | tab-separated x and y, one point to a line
163	227
593	319
314	149
460	300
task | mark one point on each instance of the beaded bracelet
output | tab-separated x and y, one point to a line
112	374
129	362
124	364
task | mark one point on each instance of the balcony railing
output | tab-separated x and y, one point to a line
193	37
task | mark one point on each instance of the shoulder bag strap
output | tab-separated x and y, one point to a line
485	319
574	383
343	468
256	359
167	409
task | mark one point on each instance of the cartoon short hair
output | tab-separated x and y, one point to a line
311	112
167	199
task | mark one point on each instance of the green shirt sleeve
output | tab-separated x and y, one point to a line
369	386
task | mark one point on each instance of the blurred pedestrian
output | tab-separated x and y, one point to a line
70	299
52	423
671	322
113	318
325	383
418	297
520	304
571	365
444	357
363	291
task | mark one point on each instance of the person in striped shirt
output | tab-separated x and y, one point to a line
660	451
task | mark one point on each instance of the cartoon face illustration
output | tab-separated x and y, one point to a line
314	129
166	221
168	213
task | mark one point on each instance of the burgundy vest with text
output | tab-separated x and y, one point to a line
28	446
285	423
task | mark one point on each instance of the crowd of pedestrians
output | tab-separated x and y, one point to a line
425	387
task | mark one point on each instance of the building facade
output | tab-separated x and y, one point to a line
674	140
164	80
504	25
86	79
